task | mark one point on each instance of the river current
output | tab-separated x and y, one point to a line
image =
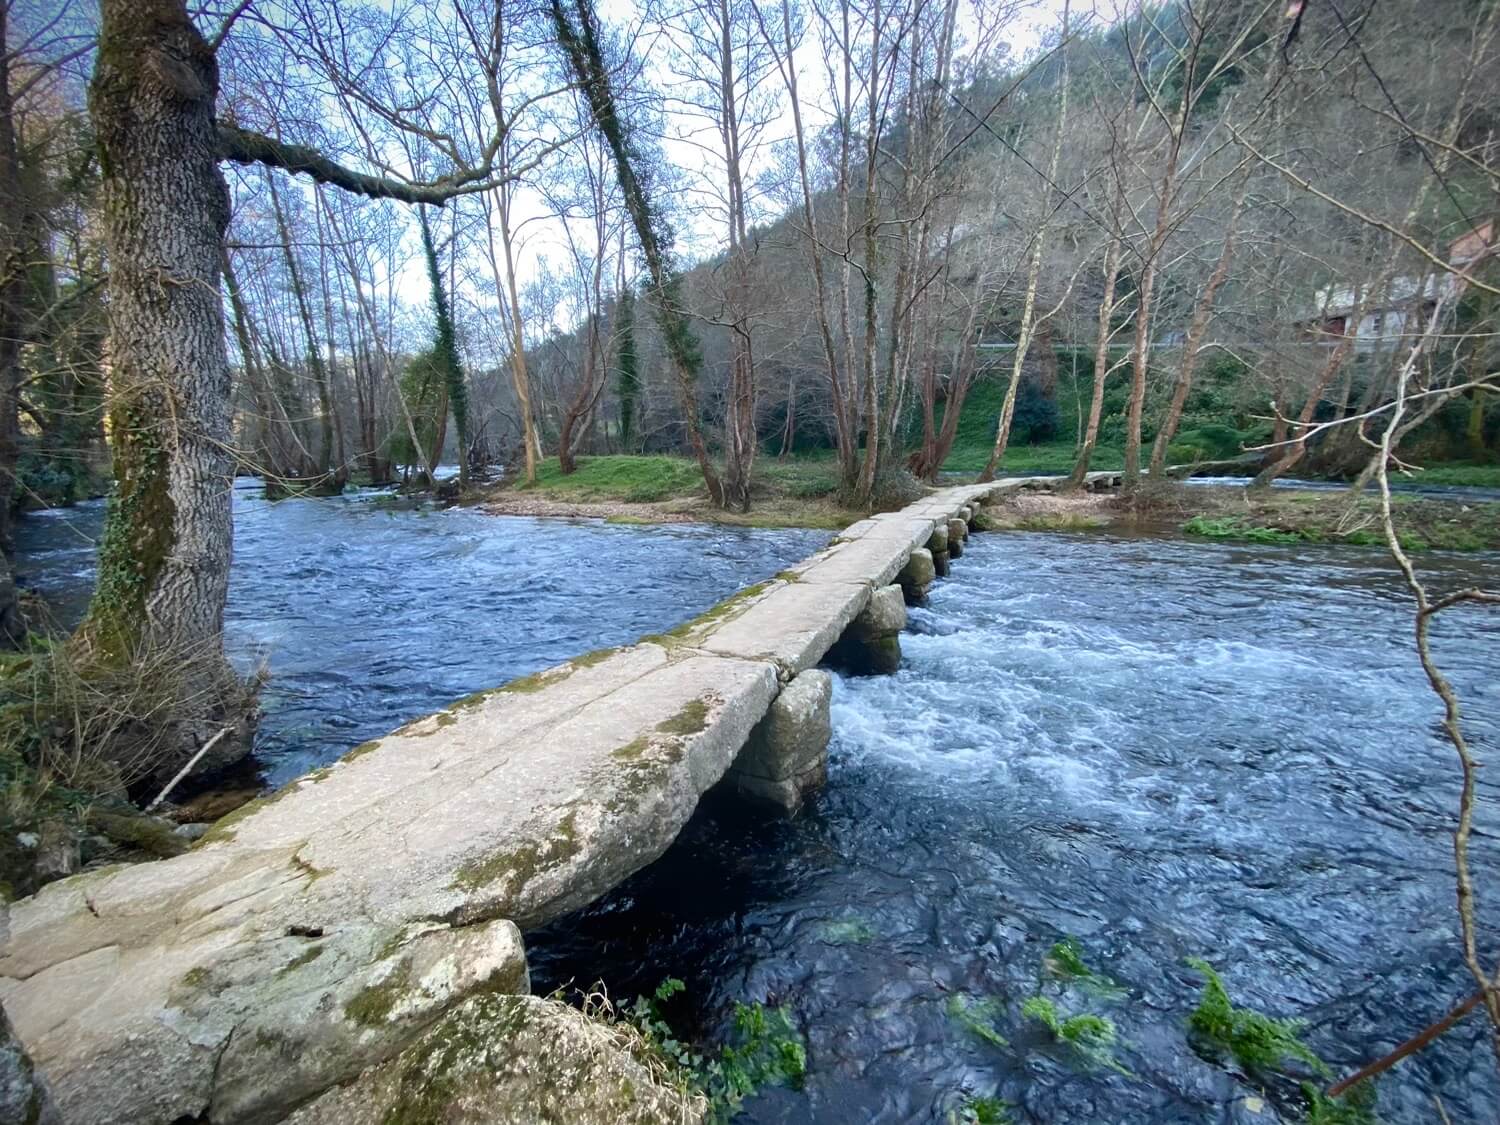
1161	749
368	615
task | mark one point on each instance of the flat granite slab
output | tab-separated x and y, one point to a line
793	625
319	930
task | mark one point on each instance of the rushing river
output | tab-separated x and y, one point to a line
367	616
1163	749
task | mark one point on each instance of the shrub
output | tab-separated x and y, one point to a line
1036	416
766	1050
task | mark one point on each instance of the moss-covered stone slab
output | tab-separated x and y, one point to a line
792	627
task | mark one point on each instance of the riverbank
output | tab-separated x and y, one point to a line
1283	516
658	489
803	493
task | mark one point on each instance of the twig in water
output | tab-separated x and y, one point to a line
185	770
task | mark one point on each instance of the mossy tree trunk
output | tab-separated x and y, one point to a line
164	558
577	34
445	351
16	230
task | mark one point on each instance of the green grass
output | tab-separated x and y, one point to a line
1466	474
983	1111
1065	960
1232	527
631	480
644	479
1283	518
978	1017
1092	1036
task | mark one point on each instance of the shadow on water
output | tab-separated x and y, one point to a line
369	615
1167	750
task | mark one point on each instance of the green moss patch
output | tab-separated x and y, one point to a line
518	866
372	1006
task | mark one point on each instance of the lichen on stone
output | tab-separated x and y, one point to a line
690	720
372	1005
306	957
726	610
519	865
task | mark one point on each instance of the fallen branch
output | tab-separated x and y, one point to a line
1411	1046
185	770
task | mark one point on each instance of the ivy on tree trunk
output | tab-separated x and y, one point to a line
445	349
585	59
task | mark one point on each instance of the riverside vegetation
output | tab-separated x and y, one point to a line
1269	1052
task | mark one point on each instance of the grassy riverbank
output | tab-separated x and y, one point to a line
800	492
1281	516
1284	516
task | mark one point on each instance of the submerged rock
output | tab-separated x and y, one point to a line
512	1060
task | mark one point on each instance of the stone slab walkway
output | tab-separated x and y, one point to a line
323	929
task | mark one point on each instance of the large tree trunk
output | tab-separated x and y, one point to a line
15	224
164	558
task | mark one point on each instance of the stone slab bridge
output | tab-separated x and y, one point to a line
306	960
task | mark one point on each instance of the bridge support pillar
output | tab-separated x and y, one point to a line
871	645
917	575
786	755
937	543
958	531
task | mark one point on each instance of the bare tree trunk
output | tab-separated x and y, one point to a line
1202	314
164	558
1113	251
1033	274
845	437
520	377
304	314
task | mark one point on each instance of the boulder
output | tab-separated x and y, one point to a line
24	1098
513	1060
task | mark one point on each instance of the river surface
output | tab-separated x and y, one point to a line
367	615
1162	749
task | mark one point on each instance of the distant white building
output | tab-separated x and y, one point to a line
1403	309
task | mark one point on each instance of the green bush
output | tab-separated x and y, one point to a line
765	1050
